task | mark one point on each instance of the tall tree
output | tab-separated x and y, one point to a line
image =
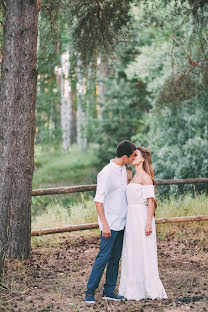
66	102
17	119
81	108
101	87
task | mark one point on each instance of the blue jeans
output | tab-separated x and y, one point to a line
110	254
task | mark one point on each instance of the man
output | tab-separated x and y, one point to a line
111	204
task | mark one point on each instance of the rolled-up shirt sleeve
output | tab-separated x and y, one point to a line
102	187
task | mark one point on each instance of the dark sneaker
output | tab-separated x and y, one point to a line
113	296
90	299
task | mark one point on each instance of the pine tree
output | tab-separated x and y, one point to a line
17	119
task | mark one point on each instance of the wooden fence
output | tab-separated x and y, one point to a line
92	187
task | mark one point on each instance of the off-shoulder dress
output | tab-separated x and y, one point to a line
139	268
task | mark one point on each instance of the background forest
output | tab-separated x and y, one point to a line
151	89
103	71
115	70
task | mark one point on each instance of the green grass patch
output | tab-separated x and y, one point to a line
56	168
84	211
182	206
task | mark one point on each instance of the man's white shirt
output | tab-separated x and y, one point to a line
111	192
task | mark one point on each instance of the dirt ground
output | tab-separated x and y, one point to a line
55	276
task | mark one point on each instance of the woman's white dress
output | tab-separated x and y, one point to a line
139	269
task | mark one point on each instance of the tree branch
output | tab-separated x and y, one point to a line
178	42
178	27
189	69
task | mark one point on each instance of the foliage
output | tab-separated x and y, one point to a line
172	49
98	26
54	40
174	67
155	85
122	113
125	103
179	139
48	129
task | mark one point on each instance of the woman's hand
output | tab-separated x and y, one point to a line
148	229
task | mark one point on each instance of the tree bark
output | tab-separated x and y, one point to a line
17	120
101	87
66	102
81	112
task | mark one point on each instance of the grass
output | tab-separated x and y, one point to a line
56	215
182	206
56	168
85	211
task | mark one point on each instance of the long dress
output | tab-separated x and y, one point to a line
139	268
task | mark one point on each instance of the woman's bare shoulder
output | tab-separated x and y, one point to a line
147	180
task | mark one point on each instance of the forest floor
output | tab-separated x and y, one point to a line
55	276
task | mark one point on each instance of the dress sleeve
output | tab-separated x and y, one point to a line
148	191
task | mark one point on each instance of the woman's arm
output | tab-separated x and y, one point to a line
151	211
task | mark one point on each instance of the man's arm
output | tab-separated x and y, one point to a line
101	193
106	232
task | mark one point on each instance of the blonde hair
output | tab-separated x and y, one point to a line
147	165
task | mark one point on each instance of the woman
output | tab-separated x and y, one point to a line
139	269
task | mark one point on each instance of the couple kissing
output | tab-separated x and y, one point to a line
127	225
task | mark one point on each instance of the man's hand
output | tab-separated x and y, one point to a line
106	232
148	229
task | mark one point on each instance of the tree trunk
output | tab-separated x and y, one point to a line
38	39
101	87
17	120
81	108
66	102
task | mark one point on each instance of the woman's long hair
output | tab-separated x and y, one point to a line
147	165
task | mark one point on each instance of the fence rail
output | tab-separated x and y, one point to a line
90	226
92	187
